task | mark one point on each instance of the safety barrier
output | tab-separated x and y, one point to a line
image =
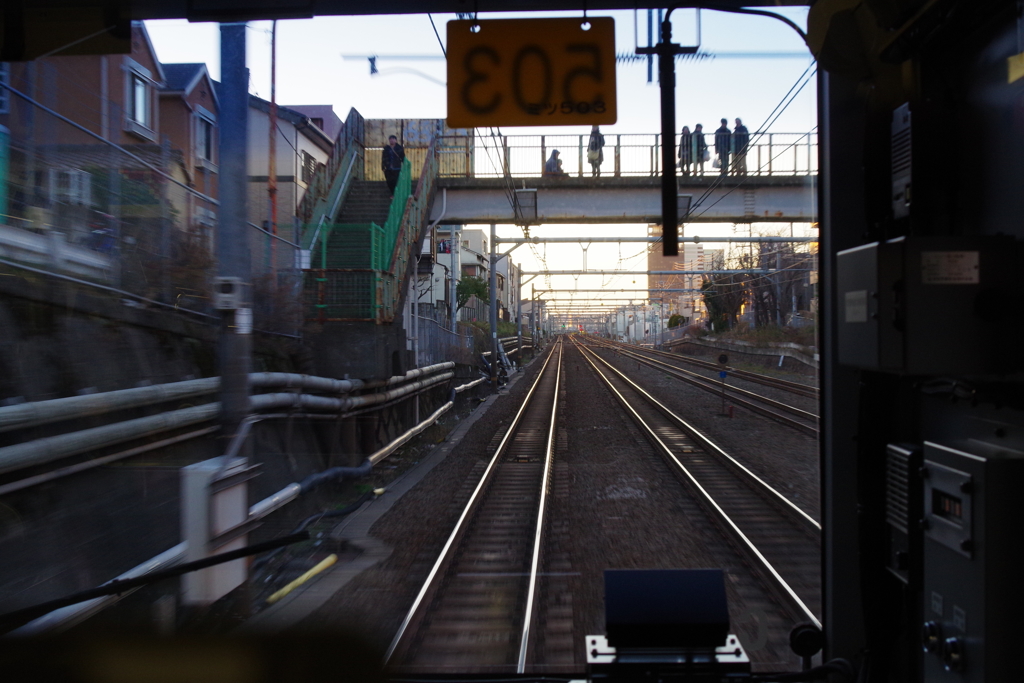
524	156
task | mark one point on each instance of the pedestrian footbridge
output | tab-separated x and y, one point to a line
498	179
463	201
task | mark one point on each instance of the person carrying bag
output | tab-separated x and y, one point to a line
595	150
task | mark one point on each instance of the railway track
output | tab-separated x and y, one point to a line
476	611
780	542
756	377
783	413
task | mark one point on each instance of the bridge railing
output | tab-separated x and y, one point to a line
482	156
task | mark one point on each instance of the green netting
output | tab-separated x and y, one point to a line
353	276
341	295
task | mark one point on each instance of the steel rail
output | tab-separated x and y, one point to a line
709	383
792	509
549	452
460	525
780	584
788	385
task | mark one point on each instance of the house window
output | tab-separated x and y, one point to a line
205	136
308	167
138	102
69	186
5	95
205	139
319	123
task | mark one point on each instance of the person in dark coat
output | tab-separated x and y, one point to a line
391	161
723	145
700	149
595	150
685	150
740	140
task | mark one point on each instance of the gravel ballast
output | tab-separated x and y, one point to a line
618	505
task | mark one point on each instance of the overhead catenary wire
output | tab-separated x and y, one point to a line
762	130
742	182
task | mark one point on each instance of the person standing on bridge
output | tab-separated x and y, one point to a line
685	150
723	144
391	159
740	140
595	150
700	149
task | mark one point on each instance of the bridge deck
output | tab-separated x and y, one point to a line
610	199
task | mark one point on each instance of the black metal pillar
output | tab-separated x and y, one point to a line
667	51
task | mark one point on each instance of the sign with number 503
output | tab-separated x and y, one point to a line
531	72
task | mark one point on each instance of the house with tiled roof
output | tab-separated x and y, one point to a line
89	165
189	118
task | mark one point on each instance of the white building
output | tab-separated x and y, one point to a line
301	147
472	255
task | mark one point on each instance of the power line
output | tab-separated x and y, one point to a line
762	130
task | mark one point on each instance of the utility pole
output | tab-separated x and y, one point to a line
519	312
494	308
233	255
533	319
778	286
456	272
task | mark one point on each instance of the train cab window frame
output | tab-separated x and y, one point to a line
5	95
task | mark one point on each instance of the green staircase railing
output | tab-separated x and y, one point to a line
352	285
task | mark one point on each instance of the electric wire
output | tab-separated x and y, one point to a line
763	129
745	178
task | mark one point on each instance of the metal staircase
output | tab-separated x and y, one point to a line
358	266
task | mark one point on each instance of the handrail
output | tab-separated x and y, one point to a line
626	154
349	138
407	214
353	155
410	223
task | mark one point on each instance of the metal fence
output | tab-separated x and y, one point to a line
670	334
88	193
437	343
769	154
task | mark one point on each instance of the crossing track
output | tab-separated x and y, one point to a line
756	377
476	611
790	416
780	542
